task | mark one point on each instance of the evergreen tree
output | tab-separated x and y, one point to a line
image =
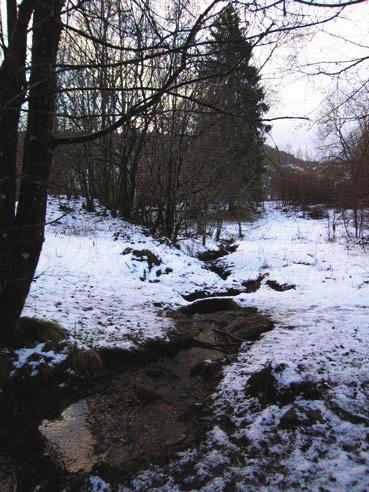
235	129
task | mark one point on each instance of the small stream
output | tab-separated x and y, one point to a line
141	418
146	411
70	440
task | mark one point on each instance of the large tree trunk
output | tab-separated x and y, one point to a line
27	235
12	95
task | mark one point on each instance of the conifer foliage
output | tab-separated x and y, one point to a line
233	106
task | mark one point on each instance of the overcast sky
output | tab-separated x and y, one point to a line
293	94
300	95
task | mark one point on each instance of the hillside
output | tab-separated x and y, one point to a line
280	158
278	407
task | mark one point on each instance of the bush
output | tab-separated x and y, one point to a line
318	212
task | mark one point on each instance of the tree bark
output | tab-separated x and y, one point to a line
12	91
27	233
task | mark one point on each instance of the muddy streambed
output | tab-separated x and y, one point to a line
139	419
146	412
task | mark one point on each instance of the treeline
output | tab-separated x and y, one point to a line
193	157
340	181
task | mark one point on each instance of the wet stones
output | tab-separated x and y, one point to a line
250	328
223	324
210	305
159	371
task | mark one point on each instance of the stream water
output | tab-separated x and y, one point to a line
148	410
148	413
69	438
144	413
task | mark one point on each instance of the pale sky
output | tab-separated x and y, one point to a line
300	95
297	95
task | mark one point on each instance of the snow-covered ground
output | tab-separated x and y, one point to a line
322	336
101	296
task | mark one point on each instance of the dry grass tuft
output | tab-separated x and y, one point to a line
84	362
32	330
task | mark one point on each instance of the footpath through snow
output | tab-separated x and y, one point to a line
292	411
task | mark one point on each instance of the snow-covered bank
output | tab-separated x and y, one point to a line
324	321
322	335
101	296
316	439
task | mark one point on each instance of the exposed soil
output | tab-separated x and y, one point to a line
200	294
210	305
211	257
263	385
249	286
225	248
218	268
144	255
273	284
149	413
252	285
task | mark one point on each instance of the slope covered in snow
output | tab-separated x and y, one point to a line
322	337
291	412
90	281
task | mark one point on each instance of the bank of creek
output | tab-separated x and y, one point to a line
146	405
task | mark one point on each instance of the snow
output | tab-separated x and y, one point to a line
85	283
321	337
98	485
36	356
322	334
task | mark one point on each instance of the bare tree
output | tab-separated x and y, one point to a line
31	84
345	143
22	229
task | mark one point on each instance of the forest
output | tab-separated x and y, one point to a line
184	298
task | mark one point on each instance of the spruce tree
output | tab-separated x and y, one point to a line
234	128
